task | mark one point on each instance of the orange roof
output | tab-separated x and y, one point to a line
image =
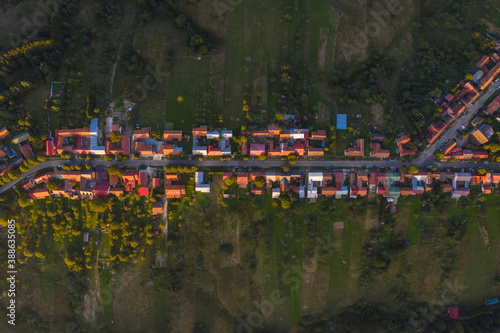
377	150
118	191
39	193
200	131
490	76
143	133
156	208
119	148
175	191
357	150
170	135
319	135
143	149
3	133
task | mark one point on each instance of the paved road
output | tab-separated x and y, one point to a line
260	164
427	156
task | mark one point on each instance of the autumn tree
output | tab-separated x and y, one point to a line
115	136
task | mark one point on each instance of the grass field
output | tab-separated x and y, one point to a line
480	258
105	246
188	76
252	50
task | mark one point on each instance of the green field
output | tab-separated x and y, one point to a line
188	76
252	49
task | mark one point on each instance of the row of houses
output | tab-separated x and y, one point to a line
275	142
9	156
341	184
453	105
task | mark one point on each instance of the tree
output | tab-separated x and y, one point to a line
481	171
285	168
413	169
279	116
114	170
262	157
14	174
108	158
115	136
65	155
260	182
286	203
136	156
53	184
229	181
439	154
469	77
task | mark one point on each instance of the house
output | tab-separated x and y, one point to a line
402	142
157	208
419	183
486	80
143	149
175	191
477	121
117	191
50	148
142	134
377	151
129	179
493	106
170	135
495	57
143	191
72	176
448	147
27	185
242	179
21	137
101	190
257	149
39	193
143	178
358	150
113	180
122	147
435	130
4	132
481	154
43	178
481	135
81	144
199	184
314	180
318	135
460	184
171	149
483	61
155	182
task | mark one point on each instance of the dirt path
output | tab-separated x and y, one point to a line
114	72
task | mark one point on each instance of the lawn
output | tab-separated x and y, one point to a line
358	118
322	36
105	246
480	258
188	76
106	287
252	47
416	218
